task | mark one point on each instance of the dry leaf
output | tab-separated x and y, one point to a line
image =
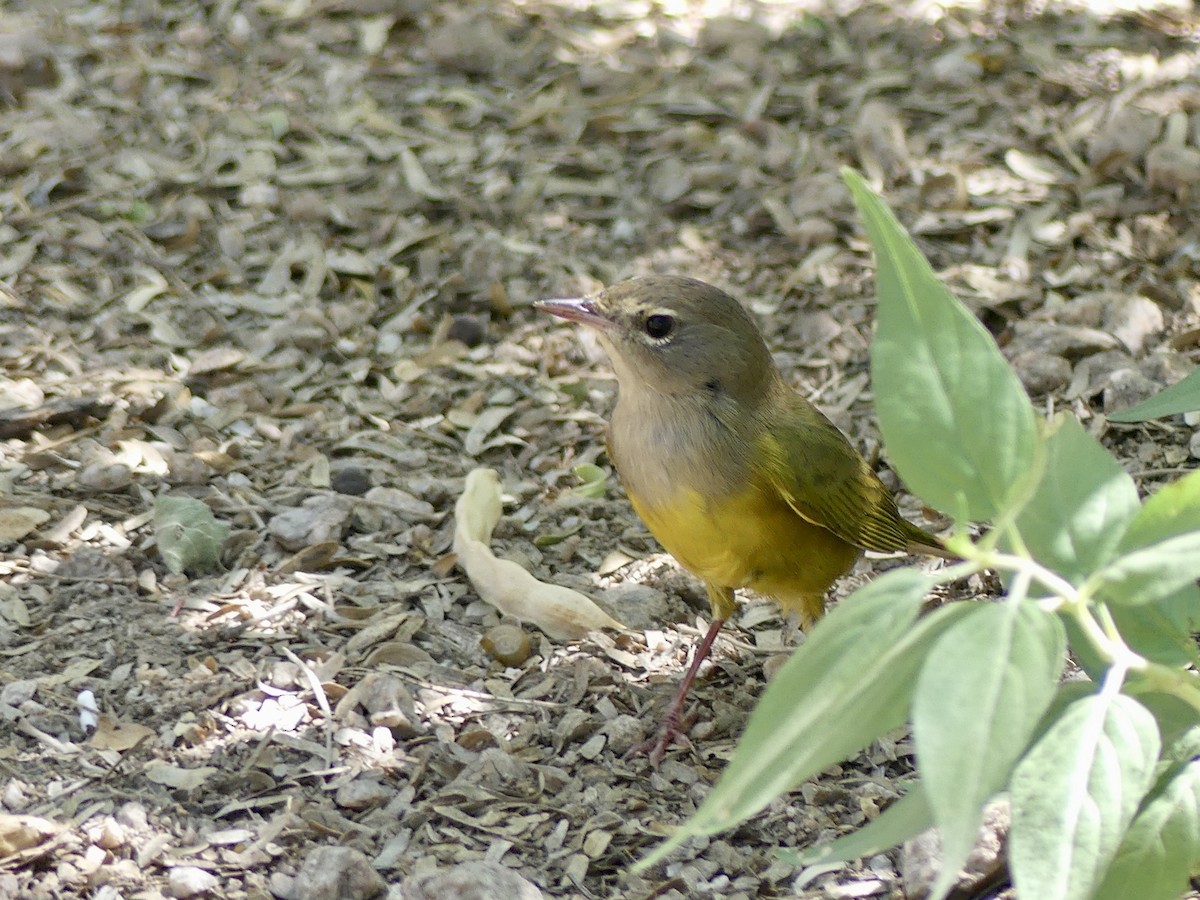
560	612
114	735
164	773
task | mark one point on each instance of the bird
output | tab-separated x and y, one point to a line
739	477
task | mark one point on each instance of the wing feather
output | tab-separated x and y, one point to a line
826	481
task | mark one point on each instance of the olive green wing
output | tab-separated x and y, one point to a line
826	481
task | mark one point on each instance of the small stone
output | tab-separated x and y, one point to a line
133	816
353	480
921	857
389	704
1125	388
18	692
468	329
341	872
1123	138
1132	320
813	232
306	206
473	45
105	477
362	793
317	520
773	664
1173	168
108	834
190	881
507	644
1069	341
401	502
1041	373
638	606
624	733
1094	374
469	881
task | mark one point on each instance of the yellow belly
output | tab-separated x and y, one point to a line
751	540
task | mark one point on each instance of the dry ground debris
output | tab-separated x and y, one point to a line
279	255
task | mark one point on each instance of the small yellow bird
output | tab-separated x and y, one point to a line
742	480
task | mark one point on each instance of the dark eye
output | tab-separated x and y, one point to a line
659	325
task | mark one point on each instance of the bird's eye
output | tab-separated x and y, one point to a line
659	325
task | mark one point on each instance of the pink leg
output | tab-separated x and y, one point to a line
671	732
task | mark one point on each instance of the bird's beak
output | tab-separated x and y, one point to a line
582	310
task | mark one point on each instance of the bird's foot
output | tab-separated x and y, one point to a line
674	730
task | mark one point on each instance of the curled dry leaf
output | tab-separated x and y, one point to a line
560	612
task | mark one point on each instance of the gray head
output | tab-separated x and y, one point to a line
676	336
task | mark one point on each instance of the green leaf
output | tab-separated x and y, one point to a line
1153	573
1172	510
1075	793
1181	397
1084	501
935	368
1178	722
846	685
189	537
594	481
980	696
904	819
1162	847
1162	631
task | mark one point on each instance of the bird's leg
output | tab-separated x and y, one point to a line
672	730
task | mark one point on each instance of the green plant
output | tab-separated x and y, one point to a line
1181	397
1101	774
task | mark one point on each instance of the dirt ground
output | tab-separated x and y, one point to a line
279	256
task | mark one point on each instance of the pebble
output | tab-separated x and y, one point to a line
637	606
1124	138
317	520
1069	341
1041	373
190	881
624	733
133	816
341	872
470	881
507	644
353	480
362	793
1125	388
108	835
1173	168
468	329
105	477
1132	320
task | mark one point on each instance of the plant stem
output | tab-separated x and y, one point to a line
1098	627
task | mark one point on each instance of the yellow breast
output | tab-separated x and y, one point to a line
751	539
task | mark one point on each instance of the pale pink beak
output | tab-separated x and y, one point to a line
581	310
